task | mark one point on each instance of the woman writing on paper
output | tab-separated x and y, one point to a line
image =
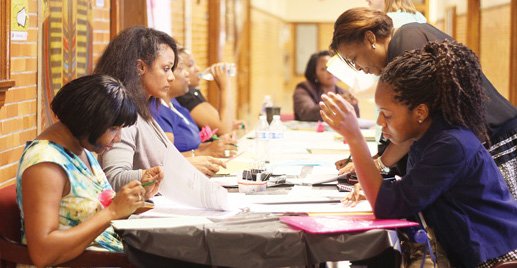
63	195
434	98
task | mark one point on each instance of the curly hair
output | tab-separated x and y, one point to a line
120	57
446	76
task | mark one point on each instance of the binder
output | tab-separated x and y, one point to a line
343	224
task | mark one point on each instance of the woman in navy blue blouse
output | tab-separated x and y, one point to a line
434	97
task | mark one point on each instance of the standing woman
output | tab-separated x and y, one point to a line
318	81
400	11
144	60
366	40
60	185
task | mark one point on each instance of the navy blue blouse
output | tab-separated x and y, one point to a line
454	181
179	122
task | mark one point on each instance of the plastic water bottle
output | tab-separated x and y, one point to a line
231	69
276	128
276	137
262	141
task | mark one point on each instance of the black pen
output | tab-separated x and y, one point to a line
348	160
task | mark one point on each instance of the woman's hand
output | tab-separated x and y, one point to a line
220	148
155	174
348	168
220	74
207	164
354	197
127	200
349	97
339	115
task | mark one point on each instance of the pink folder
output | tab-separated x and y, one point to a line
343	224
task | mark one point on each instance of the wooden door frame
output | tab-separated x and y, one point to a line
474	25
215	47
5	57
513	53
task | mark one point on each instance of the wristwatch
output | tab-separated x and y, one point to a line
380	166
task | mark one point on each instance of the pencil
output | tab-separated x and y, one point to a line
148	183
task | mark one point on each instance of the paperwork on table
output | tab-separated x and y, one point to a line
185	184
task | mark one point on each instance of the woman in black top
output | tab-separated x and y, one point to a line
366	40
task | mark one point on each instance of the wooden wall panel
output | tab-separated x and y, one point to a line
267	65
495	46
178	20
200	36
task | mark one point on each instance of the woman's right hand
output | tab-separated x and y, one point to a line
127	200
220	148
340	115
349	168
207	164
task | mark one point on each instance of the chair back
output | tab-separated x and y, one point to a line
12	251
10	225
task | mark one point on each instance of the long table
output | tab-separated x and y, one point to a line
259	240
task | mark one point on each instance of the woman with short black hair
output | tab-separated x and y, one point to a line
65	200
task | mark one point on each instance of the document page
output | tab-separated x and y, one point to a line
185	184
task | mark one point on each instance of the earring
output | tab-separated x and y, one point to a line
373	46
420	121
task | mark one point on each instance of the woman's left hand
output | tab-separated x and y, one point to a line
339	115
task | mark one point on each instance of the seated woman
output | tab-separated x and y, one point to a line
435	98
202	112
176	121
307	94
59	181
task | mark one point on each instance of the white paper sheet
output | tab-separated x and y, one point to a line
165	208
159	222
357	80
185	184
362	206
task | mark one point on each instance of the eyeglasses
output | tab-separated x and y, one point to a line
347	61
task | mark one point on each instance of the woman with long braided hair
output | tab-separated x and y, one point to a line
434	98
367	40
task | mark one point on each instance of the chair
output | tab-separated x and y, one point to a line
506	264
13	252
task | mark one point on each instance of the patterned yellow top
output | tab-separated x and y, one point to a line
82	202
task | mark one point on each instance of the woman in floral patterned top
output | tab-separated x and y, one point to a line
59	181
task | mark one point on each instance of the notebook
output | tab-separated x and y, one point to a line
343	224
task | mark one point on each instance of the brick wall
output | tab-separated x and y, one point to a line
18	115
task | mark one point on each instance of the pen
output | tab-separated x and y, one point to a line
149	183
347	160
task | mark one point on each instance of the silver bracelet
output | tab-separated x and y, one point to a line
193	151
